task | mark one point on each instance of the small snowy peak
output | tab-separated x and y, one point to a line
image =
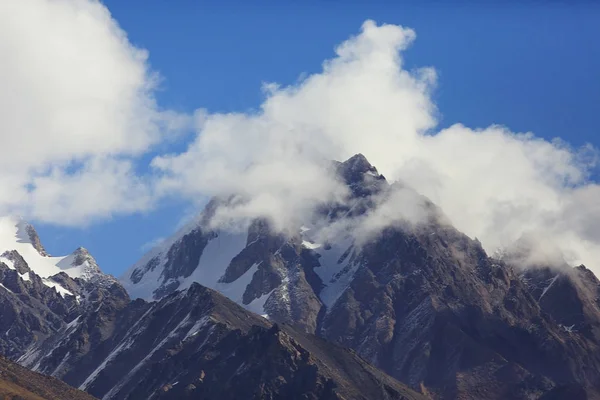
16	235
80	264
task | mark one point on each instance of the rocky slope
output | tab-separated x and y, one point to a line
418	299
18	383
40	295
83	328
199	344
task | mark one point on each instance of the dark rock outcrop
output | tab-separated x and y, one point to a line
35	240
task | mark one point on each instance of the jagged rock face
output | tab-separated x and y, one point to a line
35	240
461	327
571	296
360	176
31	312
266	272
198	344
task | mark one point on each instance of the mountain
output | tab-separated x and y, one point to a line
80	325
39	294
358	304
268	273
418	299
19	240
18	383
199	344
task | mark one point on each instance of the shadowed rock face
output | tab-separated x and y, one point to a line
32	312
462	327
199	344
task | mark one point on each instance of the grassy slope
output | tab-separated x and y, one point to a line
20	383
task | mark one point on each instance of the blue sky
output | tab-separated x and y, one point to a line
529	67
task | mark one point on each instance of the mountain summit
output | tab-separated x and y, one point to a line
417	298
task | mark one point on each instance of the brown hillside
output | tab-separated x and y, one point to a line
17	382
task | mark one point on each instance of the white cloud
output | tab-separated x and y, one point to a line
77	109
275	157
76	104
492	183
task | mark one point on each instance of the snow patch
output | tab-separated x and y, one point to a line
337	268
195	329
548	287
257	305
9	263
4	287
236	289
215	259
310	245
61	290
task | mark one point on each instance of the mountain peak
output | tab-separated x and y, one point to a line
360	175
18	235
358	164
83	260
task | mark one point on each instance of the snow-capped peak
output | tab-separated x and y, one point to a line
17	234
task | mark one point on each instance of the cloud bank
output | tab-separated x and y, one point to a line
76	107
493	184
78	110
